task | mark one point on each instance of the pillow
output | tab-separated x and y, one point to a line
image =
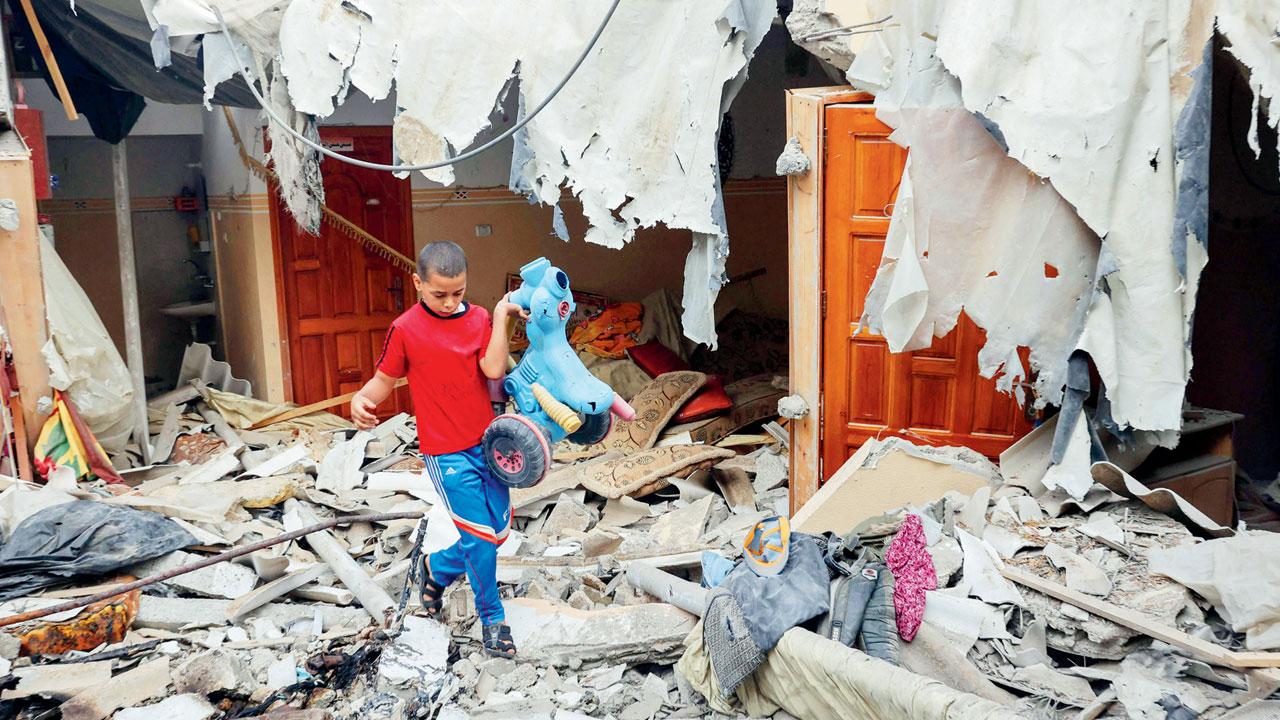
654	359
656	404
647	471
710	401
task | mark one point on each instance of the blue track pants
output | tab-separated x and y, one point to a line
481	508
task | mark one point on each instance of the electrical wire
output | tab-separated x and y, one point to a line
242	69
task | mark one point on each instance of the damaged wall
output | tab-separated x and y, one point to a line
240	223
1100	100
633	136
82	212
755	206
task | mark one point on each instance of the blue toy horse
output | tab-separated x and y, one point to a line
554	394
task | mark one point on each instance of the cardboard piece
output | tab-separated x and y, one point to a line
870	484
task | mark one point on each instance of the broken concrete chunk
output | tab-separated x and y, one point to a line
771	472
417	660
140	684
59	682
653	632
569	513
179	707
683	527
176	614
974	515
214	671
223	580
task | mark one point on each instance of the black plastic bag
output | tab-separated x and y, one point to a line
82	537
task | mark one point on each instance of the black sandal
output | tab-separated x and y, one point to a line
430	592
498	642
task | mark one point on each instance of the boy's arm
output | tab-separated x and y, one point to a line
367	399
494	361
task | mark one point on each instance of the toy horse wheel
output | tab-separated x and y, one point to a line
516	451
593	430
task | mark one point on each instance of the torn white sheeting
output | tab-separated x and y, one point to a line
982	578
83	360
1072	474
988	248
632	135
1229	572
1115	480
963	618
339	471
1111	156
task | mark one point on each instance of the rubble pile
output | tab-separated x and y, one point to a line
1026	601
287	627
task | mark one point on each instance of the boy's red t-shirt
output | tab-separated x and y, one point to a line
441	356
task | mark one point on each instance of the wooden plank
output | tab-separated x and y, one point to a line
50	61
1201	649
315	407
804	262
22	284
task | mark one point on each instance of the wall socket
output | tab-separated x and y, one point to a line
484	230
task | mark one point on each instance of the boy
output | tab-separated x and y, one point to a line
448	348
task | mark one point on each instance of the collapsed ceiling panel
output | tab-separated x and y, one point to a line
632	135
971	229
1088	95
1107	102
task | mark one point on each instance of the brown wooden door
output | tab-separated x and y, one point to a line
339	299
935	395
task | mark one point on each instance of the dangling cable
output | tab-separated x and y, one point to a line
241	68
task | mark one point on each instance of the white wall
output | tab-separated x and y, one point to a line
157	118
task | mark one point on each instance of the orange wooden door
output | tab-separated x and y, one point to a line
339	299
936	395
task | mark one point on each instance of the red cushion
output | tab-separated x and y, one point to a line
711	400
654	359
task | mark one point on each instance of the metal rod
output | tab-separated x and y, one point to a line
129	297
214	560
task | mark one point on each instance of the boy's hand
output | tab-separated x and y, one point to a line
506	308
362	412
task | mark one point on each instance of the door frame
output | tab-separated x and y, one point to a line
277	207
806	121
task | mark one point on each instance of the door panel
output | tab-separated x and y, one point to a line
932	396
339	299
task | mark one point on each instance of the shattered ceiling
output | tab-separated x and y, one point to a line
632	135
1100	246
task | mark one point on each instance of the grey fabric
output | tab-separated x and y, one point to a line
733	654
878	636
774	605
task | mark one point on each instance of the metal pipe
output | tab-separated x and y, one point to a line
213	560
129	294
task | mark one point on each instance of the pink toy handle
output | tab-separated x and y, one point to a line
622	408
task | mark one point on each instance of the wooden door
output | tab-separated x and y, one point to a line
936	395
338	298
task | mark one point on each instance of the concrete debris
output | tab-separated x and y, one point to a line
603	595
187	707
214	671
417	660
148	680
58	682
224	580
792	161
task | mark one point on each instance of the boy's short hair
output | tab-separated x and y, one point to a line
443	258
